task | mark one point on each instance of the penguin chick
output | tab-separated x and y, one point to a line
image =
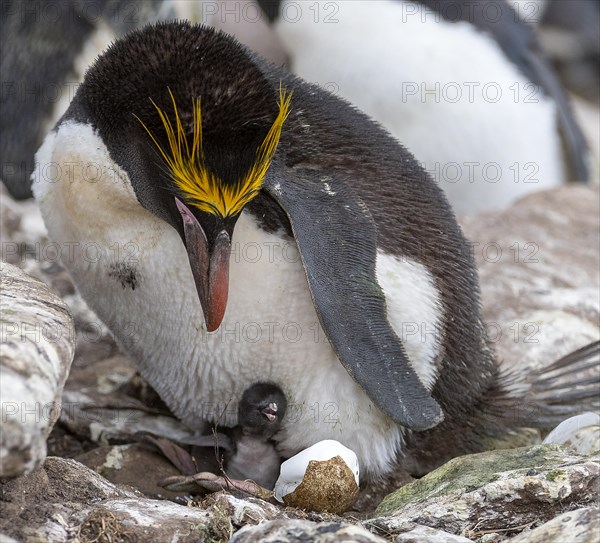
250	453
253	456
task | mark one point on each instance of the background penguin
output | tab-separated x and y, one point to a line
46	46
188	148
462	84
569	35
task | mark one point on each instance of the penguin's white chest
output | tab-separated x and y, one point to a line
270	332
140	284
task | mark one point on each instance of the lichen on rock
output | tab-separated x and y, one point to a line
500	489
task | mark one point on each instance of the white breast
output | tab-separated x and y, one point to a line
270	330
444	90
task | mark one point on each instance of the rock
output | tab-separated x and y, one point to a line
299	531
496	490
38	342
493	537
539	276
23	231
372	494
235	512
65	501
133	465
30	503
61	442
579	526
425	534
10	220
94	341
136	519
97	405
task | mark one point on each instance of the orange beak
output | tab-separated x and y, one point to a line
210	267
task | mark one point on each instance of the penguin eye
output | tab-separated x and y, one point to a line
186	163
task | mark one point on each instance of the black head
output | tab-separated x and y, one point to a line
192	119
262	409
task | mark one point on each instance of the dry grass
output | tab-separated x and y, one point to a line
103	527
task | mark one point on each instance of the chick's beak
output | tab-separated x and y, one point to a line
270	412
210	266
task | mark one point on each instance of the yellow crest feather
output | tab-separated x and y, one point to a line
185	161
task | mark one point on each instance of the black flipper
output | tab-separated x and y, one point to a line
337	240
573	140
568	387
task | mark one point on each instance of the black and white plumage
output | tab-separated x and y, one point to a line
362	304
46	46
463	85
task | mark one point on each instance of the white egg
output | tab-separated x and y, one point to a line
581	433
293	470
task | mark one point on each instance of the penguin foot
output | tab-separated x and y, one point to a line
192	478
209	482
190	460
